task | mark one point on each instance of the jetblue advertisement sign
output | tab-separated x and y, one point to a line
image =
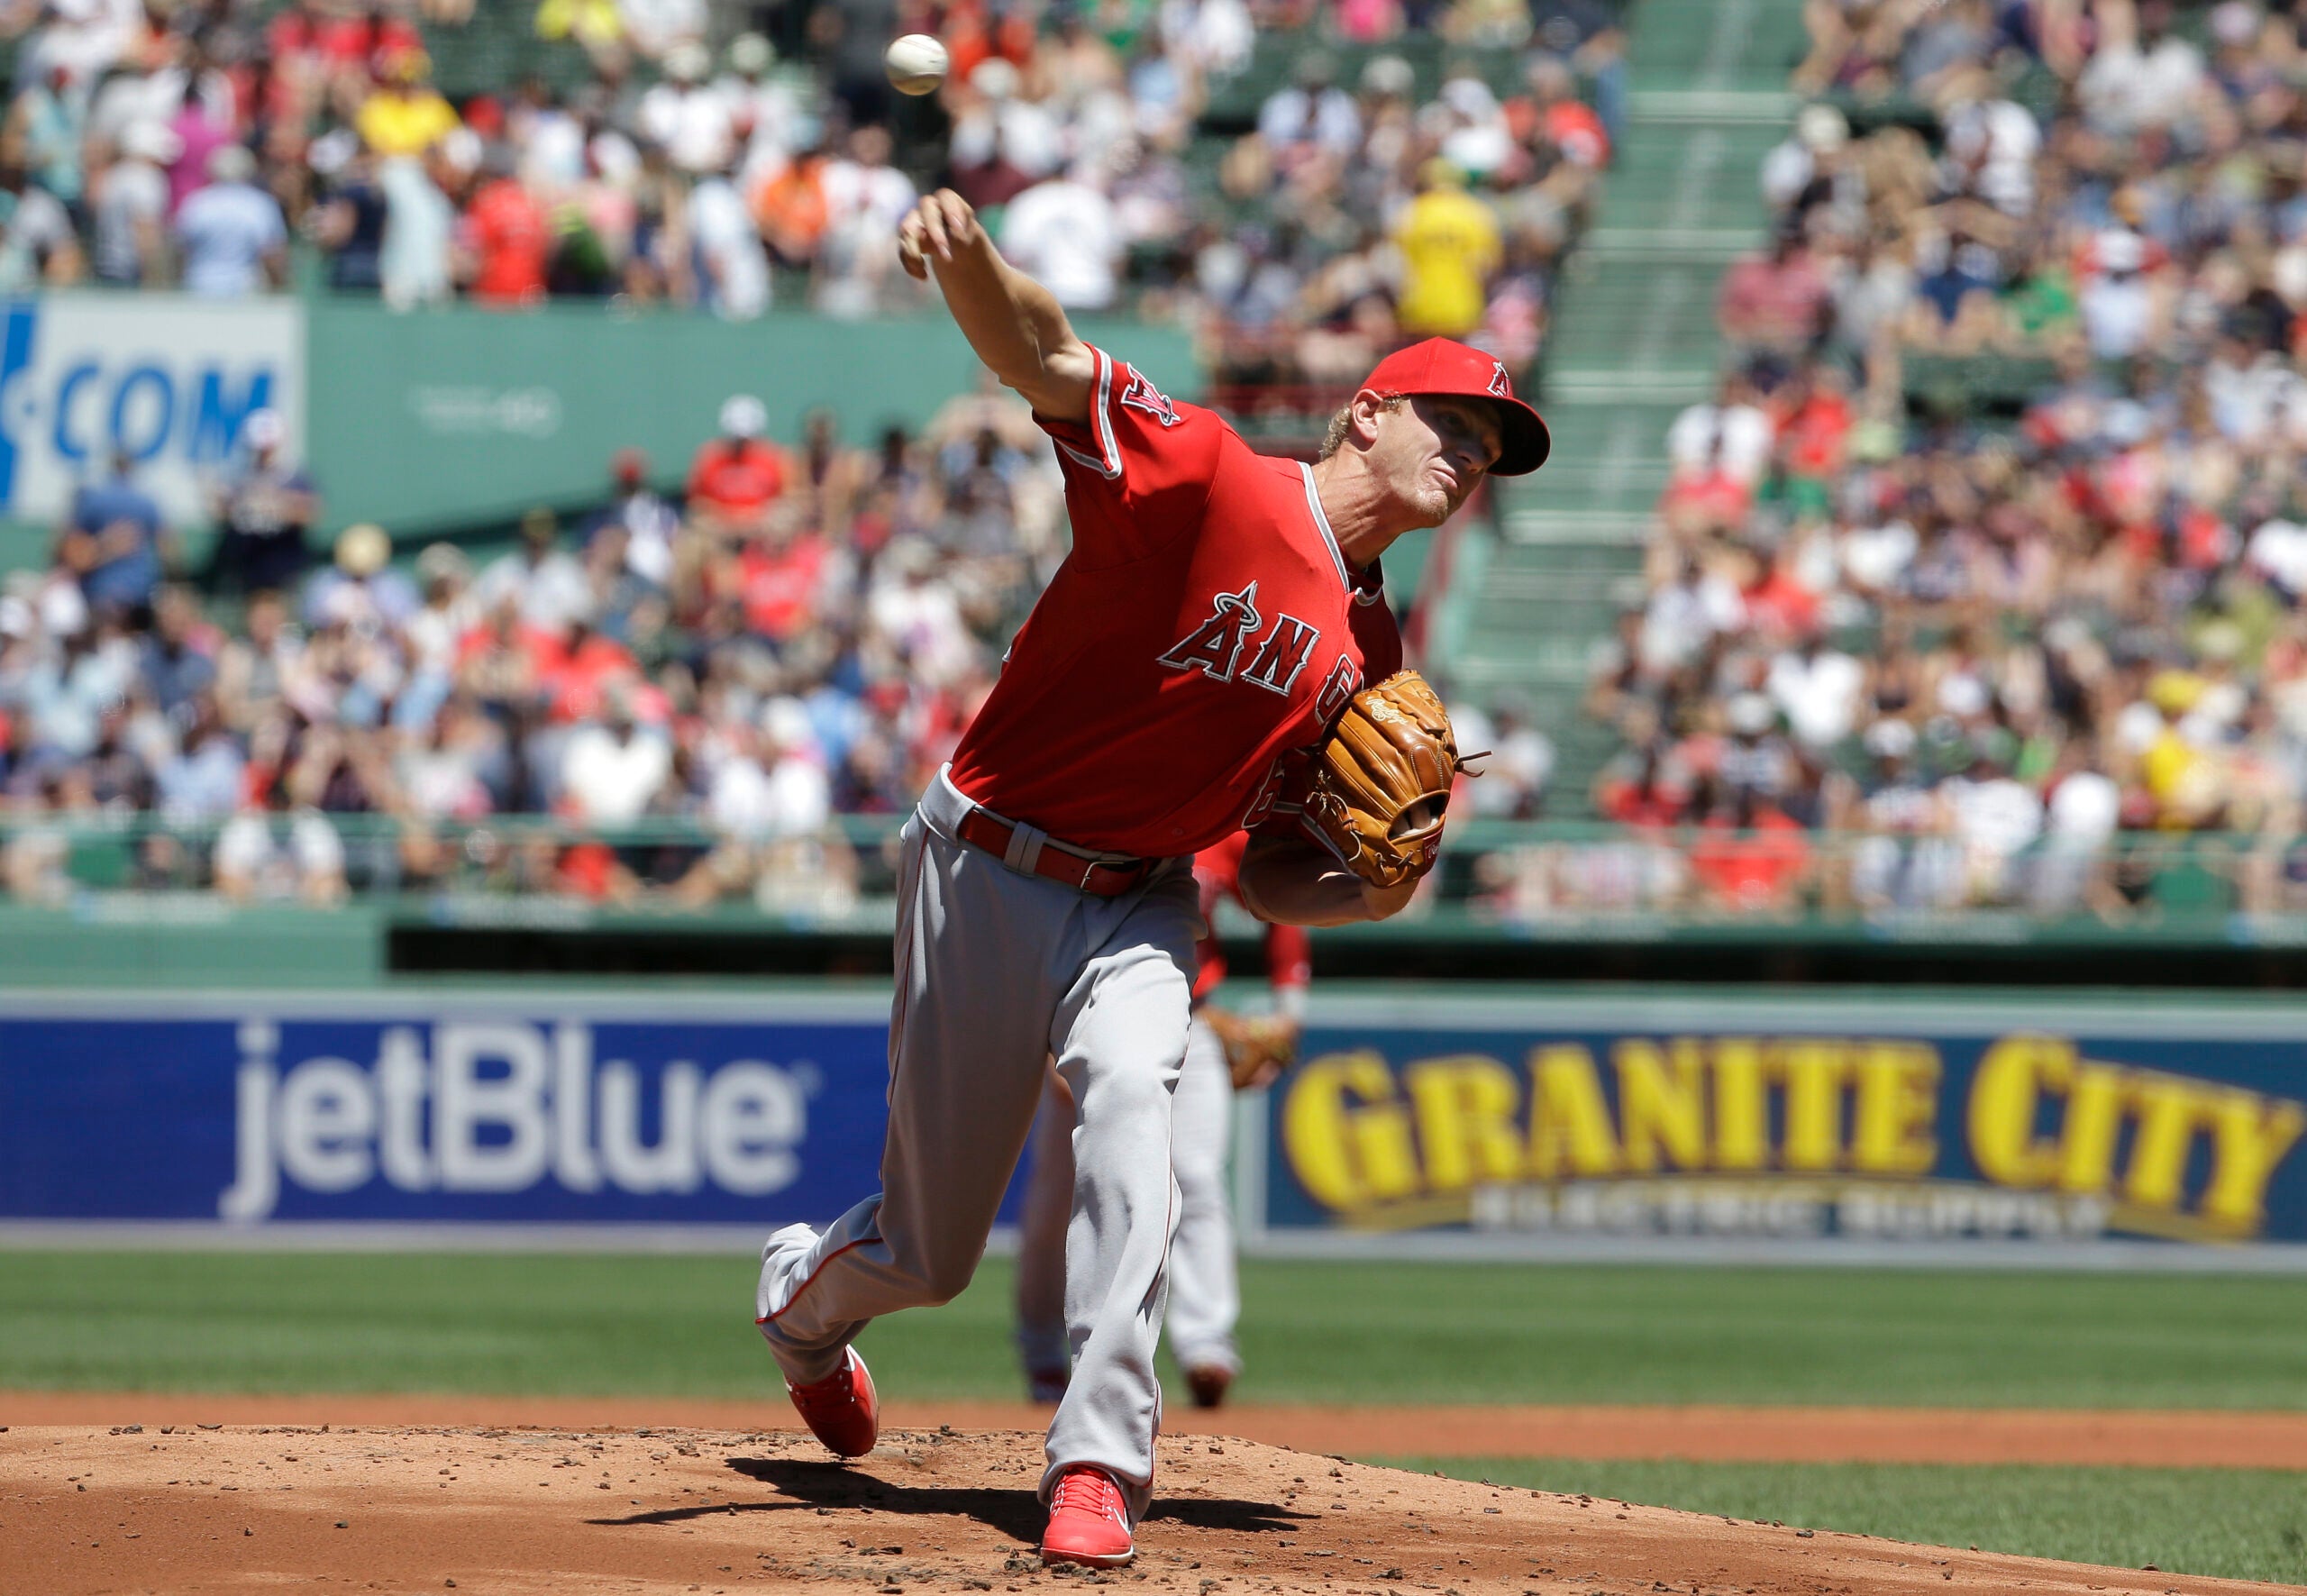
252	1113
1797	1120
169	379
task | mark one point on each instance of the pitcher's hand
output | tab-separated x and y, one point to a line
939	226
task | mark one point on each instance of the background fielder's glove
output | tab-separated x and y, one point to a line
1380	782
1257	1049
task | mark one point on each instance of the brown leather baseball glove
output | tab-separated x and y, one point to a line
1257	1049
1380	782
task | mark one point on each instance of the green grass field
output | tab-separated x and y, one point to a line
2240	1523
593	1324
1397	1333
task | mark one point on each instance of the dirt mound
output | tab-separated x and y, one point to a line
2140	1437
189	1508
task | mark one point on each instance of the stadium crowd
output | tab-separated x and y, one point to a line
804	633
707	681
1992	646
188	143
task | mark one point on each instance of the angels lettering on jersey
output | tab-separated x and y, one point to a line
1236	643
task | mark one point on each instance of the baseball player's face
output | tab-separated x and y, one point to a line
1437	453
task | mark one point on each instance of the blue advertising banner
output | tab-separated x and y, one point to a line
1786	1120
257	1110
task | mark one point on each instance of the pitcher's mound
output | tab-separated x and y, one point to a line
194	1509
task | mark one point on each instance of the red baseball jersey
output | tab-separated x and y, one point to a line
1289	949
1204	625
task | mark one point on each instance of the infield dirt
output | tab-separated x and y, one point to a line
189	1507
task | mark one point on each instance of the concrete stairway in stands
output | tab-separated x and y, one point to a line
1633	341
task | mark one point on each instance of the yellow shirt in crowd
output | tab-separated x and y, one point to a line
1450	245
405	125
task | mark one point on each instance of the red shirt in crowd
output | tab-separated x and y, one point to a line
779	585
1204	627
513	236
736	479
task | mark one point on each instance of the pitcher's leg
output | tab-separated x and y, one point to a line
1121	1049
1205	1300
1042	1225
968	1037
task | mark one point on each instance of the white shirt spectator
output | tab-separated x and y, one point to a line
1329	120
1029	137
132	200
2279	548
692	121
1065	233
34	229
878	194
921	616
655	26
227	230
792	797
2083	812
2125	89
1682	617
1817	694
1740	434
609	778
1998	141
1216	35
766	117
251	862
1997	816
552	592
413	263
729	247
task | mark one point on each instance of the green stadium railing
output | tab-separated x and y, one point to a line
1512	880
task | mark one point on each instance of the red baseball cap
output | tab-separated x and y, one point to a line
1445	366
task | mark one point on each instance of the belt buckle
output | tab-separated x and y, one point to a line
1089	869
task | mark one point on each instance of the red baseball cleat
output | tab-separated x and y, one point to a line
842	1409
1089	1522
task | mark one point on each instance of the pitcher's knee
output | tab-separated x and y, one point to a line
945	1279
1127	1100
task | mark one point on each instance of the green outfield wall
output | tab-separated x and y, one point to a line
442	419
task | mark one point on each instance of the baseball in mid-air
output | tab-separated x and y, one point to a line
916	64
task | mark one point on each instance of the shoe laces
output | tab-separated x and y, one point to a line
1089	1490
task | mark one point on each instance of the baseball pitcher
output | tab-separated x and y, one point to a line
1214	656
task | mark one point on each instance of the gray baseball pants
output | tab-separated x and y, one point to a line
1205	1293
996	972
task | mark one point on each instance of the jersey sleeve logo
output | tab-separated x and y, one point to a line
1497	383
1141	395
1215	647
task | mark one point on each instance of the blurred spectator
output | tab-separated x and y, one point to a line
736	477
415	256
38	247
232	232
541	582
130	208
508	235
263	511
404	114
612	769
1450	245
1065	233
113	540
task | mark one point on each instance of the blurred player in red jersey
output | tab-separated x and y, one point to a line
1205	1301
1217	611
